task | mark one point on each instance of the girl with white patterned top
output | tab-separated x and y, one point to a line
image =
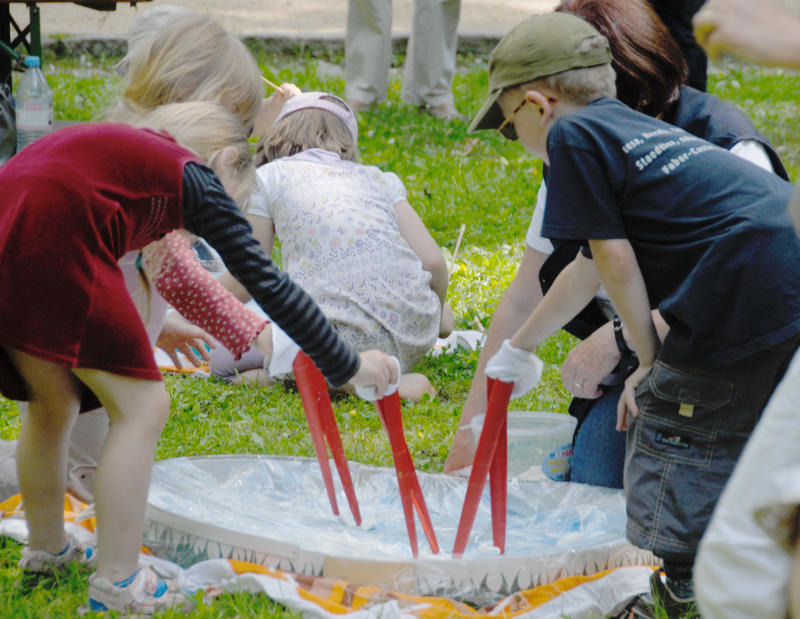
349	237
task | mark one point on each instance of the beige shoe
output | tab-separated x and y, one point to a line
43	562
143	593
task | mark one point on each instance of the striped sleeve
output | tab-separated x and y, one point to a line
209	212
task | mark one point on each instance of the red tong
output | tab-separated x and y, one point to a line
391	415
322	424
491	458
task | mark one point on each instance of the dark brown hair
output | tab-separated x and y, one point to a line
649	64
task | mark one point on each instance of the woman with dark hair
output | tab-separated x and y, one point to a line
651	78
648	62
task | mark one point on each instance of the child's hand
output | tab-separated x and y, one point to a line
271	107
515	365
377	376
179	335
627	401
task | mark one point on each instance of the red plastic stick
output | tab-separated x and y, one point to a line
321	422
331	429
493	425
498	482
411	495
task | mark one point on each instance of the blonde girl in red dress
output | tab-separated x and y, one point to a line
74	202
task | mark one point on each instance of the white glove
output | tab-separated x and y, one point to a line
514	365
370	392
284	351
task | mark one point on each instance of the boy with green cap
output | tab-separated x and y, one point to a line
667	221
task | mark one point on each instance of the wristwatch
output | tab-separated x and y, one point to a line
621	343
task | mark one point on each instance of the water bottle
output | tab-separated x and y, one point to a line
8	128
34	101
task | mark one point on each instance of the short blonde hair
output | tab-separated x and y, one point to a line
193	59
304	129
582	85
206	129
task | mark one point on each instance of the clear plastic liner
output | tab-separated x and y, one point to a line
274	510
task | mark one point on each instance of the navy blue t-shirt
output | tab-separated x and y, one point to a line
711	231
706	116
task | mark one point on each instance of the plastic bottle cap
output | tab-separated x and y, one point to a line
33	61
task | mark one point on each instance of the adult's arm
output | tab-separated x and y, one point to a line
594	358
763	32
575	286
518	301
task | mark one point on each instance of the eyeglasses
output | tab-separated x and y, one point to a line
507	127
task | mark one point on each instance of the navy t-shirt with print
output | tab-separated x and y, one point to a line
711	231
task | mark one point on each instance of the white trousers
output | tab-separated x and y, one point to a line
741	571
430	57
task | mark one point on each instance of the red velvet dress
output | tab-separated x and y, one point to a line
72	204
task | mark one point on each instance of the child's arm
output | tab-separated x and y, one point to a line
171	267
421	242
620	274
271	107
575	286
515	361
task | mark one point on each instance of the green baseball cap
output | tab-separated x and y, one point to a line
541	45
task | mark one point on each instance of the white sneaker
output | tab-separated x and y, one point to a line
48	563
144	594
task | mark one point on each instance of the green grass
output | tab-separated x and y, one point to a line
452	178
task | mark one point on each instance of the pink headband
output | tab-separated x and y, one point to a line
322	101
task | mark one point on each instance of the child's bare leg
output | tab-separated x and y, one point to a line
137	411
414	386
43	447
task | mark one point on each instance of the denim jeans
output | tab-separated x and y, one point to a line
598	456
692	425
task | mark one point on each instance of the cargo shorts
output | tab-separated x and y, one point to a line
692	425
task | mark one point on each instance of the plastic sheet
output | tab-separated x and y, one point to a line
273	510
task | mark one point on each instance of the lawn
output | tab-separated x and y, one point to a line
484	182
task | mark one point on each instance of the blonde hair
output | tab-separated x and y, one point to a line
206	129
304	129
193	59
583	85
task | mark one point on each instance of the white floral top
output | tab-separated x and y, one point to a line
340	239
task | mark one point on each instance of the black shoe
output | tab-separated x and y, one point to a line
662	603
